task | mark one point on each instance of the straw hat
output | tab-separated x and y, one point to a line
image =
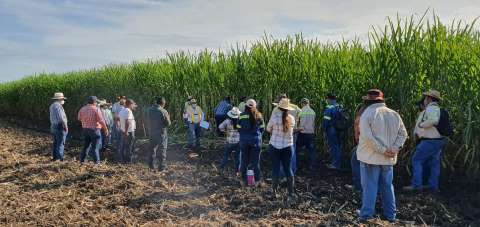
251	103
285	104
433	94
102	102
234	113
58	96
374	95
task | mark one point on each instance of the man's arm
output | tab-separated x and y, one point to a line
432	116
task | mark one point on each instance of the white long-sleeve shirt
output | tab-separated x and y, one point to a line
426	121
380	129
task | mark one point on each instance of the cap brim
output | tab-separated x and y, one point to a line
275	104
60	98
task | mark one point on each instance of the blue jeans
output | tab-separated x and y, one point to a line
294	156
307	141
59	138
250	159
116	137
356	178
229	148
127	147
334	147
281	157
377	178
194	134
427	155
92	143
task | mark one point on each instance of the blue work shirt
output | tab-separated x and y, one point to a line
250	133
330	116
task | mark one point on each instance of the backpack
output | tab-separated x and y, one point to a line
342	119
444	126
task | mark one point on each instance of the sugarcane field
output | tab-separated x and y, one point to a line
223	113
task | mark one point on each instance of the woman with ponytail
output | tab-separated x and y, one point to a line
250	126
281	126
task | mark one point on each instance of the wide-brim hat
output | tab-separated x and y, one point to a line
251	103
59	96
374	95
102	102
285	104
234	112
433	94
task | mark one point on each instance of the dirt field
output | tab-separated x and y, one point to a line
36	191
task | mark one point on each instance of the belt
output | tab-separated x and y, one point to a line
431	138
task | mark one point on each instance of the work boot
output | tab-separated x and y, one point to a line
291	186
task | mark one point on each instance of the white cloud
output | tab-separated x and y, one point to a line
59	36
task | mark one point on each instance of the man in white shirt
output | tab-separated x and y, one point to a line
431	142
127	128
382	135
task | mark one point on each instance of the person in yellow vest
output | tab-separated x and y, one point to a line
194	116
185	108
306	132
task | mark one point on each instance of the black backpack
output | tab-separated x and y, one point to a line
342	119
444	126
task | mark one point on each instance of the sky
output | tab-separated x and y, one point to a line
67	35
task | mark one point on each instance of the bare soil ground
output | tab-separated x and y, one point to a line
36	191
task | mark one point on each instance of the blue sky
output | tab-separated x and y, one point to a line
65	35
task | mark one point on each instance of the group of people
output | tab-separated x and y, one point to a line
102	125
379	135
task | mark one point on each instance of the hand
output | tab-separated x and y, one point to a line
391	153
65	129
125	134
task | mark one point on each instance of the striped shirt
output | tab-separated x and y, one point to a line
91	117
57	114
222	108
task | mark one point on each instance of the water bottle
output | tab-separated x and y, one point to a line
250	178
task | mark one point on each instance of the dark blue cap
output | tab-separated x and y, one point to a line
92	99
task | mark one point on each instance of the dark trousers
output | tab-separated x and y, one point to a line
127	146
229	148
92	143
356	177
307	141
334	145
218	120
158	151
59	138
282	157
250	159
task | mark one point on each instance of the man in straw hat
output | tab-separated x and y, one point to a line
428	151
228	126
382	135
158	123
58	126
108	117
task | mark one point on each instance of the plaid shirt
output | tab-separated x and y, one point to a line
280	139
57	114
222	108
91	117
233	136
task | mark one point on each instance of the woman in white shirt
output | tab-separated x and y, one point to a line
281	126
